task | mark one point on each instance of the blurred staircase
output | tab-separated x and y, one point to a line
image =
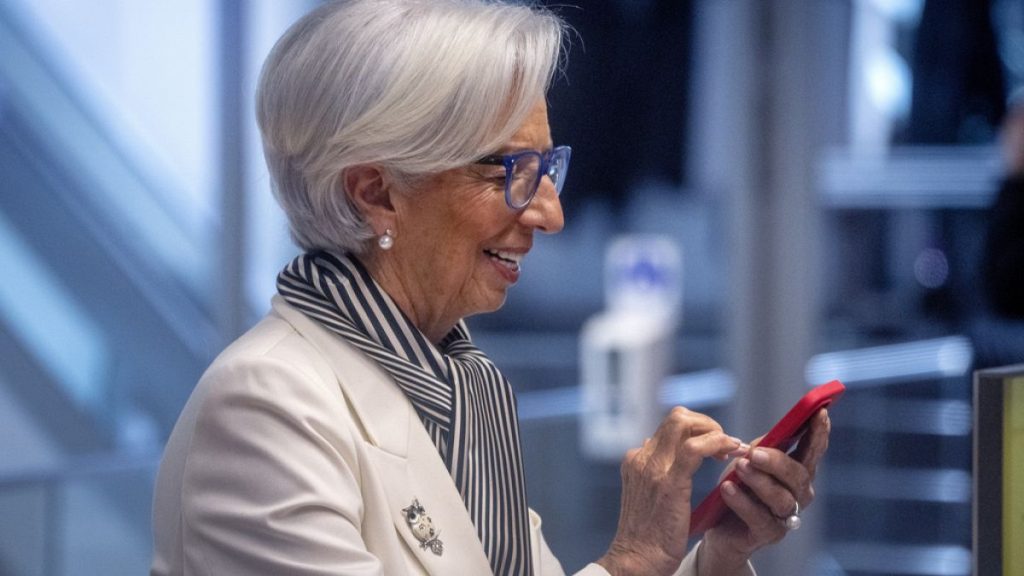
104	319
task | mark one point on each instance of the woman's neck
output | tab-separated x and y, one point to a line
408	296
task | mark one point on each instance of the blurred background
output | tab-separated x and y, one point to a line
824	167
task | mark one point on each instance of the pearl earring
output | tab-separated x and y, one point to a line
386	240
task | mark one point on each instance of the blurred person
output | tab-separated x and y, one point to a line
959	90
356	429
1003	266
609	87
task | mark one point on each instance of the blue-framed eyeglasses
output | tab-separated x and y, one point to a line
523	171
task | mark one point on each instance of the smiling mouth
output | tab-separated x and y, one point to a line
510	260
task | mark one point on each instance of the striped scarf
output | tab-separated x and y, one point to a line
465	404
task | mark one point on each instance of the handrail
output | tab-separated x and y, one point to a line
78	467
51	479
886	365
893	363
920	560
701	390
915	177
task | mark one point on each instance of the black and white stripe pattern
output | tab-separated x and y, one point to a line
466	405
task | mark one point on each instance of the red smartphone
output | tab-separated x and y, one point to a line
784	436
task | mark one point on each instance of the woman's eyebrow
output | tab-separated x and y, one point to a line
512	149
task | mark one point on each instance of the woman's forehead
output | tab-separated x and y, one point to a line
533	134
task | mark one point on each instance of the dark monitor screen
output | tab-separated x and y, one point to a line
998	514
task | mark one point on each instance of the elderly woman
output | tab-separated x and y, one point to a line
356	429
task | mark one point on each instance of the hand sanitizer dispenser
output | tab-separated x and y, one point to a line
626	350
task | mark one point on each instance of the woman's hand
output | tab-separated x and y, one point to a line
772	485
657	484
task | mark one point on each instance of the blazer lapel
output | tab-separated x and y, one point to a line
417	479
406	459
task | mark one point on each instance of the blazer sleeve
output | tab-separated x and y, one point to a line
687	568
287	501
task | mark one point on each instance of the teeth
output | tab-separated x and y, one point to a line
513	257
517	258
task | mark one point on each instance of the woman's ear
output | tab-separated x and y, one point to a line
369	190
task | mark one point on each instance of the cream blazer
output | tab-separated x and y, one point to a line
295	455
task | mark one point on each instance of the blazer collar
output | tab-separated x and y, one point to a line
405	457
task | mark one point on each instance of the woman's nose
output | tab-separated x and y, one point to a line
545	210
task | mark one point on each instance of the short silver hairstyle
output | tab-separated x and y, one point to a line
414	86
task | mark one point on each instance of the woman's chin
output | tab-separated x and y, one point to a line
492	301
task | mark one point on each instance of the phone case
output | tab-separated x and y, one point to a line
784	436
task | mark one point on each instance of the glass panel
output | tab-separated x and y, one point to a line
23	543
104	524
128	108
50	322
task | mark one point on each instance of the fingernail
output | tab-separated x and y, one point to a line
741	450
736	440
729	488
759	456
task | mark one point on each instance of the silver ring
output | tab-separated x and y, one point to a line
793	521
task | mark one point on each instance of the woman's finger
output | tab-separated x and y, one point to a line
679	426
763	525
815	442
693	450
778	497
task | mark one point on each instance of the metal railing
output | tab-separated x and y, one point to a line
83	515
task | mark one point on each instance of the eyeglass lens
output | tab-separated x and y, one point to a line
526	175
556	171
525	178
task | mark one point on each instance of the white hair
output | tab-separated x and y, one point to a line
414	86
